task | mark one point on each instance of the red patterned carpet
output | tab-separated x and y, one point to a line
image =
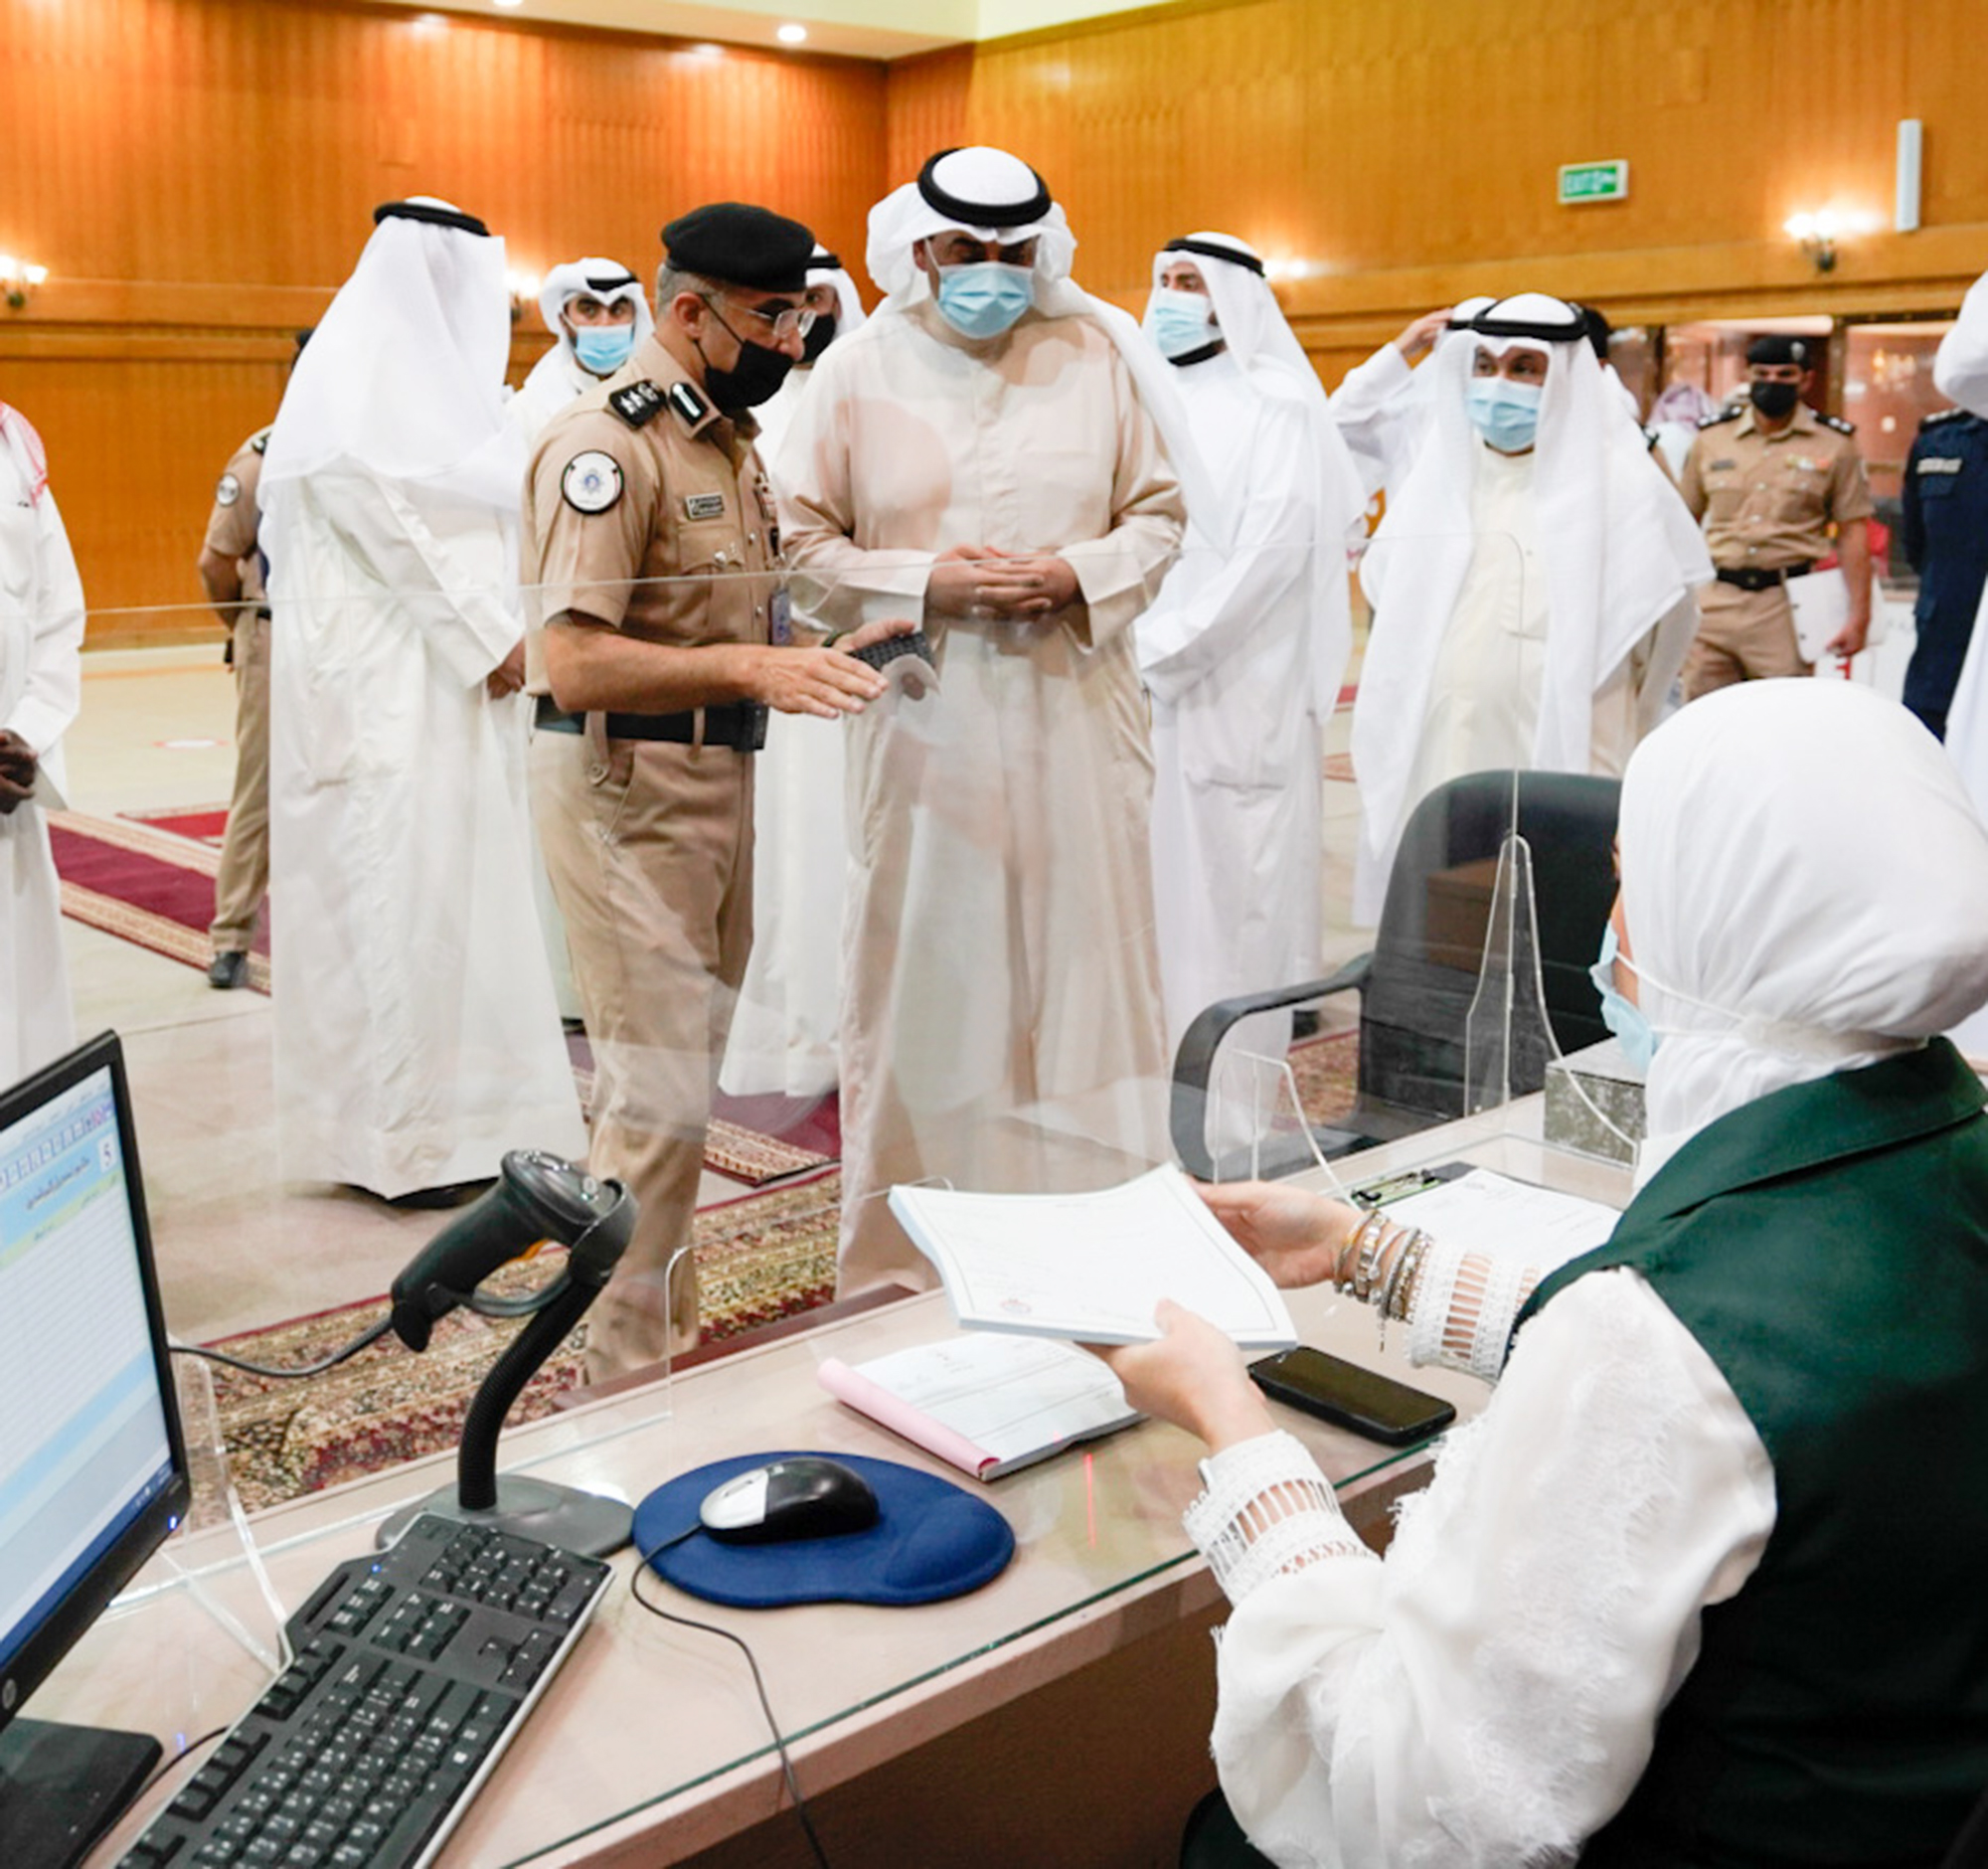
145	886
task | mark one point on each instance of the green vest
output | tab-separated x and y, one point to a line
1828	1245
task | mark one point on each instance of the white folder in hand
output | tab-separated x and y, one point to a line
1821	604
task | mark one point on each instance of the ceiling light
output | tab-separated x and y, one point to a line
792	35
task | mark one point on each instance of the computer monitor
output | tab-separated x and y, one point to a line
93	1466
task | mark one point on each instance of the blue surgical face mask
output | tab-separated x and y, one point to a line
1503	413
1179	321
1633	1032
983	300
603	349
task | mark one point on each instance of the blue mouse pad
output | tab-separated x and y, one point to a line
932	1540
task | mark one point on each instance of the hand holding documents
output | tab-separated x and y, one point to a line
1092	1268
1821	605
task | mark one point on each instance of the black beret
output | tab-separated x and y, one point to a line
741	245
1777	347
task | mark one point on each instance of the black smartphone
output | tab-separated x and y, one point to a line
1348	1396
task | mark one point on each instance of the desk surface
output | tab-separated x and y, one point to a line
650	1744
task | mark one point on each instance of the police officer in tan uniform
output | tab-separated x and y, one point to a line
650	533
1768	478
230	569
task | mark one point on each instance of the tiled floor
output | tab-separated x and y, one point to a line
238	1247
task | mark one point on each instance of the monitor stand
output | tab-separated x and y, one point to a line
63	1786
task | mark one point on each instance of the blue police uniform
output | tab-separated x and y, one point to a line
1944	532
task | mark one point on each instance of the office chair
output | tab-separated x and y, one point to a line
1419	982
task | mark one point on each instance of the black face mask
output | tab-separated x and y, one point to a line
821	334
752	380
1774	400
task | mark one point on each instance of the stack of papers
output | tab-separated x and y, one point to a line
1092	1268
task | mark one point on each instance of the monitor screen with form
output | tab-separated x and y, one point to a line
92	1468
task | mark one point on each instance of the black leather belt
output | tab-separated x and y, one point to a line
740	725
1764	576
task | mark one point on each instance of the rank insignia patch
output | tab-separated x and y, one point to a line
637	402
591	482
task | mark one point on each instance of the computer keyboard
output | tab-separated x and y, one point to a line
414	1669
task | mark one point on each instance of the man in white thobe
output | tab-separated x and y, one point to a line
1532	583
786	1026
983	455
416	1038
41	681
597	312
1243	652
1382	405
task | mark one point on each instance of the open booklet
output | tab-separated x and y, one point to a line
1092	1268
987	1404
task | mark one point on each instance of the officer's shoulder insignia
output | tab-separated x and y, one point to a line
591	482
637	403
703	506
1942	414
226	490
1731	413
691	407
261	442
1649	437
1837	423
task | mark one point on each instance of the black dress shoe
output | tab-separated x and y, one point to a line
229	971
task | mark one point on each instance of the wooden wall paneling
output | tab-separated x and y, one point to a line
201	175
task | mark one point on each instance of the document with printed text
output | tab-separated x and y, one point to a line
1092	1268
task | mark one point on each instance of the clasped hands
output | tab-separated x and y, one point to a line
18	766
983	580
1193	1375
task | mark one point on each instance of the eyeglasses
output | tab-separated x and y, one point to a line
788	321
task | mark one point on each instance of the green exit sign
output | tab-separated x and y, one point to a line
1582	182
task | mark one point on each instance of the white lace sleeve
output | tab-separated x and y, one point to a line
1488	1695
1267	1510
1465	1305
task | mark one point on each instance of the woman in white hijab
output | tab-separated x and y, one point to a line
1659	1603
1531	583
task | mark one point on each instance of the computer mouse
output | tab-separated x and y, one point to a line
802	1497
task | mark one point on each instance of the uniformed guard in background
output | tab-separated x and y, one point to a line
1944	533
230	569
1767	478
651	538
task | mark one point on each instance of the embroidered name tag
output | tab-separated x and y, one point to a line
1940	465
703	506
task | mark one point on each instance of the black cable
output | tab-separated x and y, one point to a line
179	1758
738	1642
332	1361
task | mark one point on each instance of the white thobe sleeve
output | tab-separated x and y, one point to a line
1960	367
848	585
1364	406
470	629
1488	1695
54	689
1119	575
1196	625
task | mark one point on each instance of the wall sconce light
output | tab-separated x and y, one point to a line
524	289
19	278
1816	233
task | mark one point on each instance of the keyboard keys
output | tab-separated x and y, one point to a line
362	1751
